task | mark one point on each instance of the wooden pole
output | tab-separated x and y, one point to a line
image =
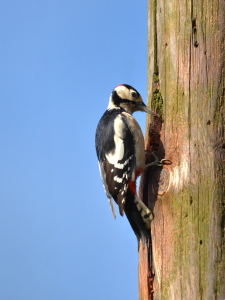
186	75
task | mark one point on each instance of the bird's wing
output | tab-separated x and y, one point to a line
119	164
105	185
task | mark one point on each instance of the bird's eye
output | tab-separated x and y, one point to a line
134	95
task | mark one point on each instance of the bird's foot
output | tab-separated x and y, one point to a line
157	162
146	214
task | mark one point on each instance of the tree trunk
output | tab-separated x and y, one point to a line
186	76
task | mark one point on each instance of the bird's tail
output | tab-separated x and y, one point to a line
139	217
112	207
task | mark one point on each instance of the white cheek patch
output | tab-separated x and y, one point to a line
123	92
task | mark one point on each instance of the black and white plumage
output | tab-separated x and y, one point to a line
121	154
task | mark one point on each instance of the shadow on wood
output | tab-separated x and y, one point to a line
153	183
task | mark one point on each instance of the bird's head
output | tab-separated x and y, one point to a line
128	98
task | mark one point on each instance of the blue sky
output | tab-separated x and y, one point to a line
59	62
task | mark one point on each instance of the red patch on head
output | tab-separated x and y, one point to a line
118	85
132	187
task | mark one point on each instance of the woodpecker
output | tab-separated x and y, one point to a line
120	150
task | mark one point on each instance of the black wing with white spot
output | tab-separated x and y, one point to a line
118	162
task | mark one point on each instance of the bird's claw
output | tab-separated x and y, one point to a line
163	162
157	162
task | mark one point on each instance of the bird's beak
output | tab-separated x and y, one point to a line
143	107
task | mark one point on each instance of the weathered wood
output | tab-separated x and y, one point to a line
187	87
145	280
149	189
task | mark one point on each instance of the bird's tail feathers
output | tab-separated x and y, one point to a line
112	207
139	217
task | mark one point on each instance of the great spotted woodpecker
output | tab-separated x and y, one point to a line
121	154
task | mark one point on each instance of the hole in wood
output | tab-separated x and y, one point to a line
196	44
194	27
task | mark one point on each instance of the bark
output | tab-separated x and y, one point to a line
186	79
